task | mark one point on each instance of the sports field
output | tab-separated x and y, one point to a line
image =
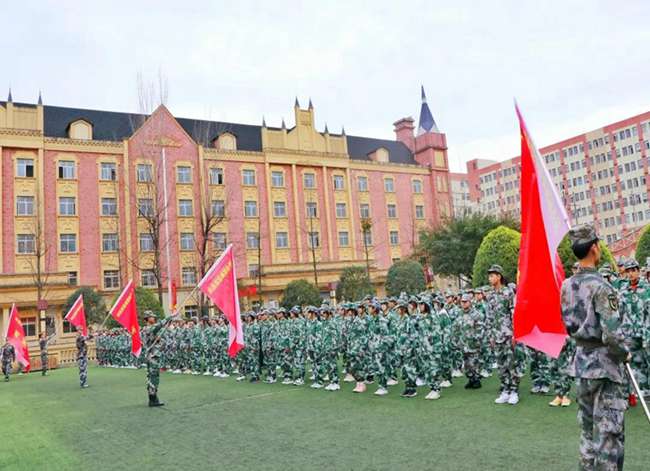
51	424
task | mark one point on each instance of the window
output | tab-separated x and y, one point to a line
389	185
314	240
107	171
184	208
250	209
183	174
109	242
109	207
145	207
146	242
344	239
24	205
281	240
279	209
25	168
68	328
364	210
188	276
144	173
191	311
253	270
338	182
419	212
312	211
394	238
277	179
391	210
66	169
72	278
29	326
187	241
367	237
111	279
219	240
362	183
252	240
148	279
248	177
25	243
309	180
216	176
67	206
218	208
68	243
417	186
341	210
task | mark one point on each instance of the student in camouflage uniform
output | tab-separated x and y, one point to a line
358	349
590	313
540	371
560	378
8	357
82	357
330	349
152	335
409	345
43	342
471	332
298	344
430	348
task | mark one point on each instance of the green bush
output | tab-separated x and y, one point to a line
300	293
499	246
568	259
94	305
145	300
354	284
405	276
642	251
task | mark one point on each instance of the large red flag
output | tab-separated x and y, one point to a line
125	312
544	222
77	316
16	335
220	285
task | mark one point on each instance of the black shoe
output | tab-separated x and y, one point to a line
470	384
409	392
154	402
254	380
477	384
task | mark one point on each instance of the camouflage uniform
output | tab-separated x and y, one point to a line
8	357
409	342
43	344
358	347
429	352
540	371
560	378
297	341
82	359
590	313
152	337
471	339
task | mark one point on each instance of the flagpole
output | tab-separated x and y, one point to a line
169	274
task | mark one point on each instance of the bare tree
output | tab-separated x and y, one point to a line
38	258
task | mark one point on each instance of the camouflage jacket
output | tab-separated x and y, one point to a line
499	312
8	353
471	330
634	300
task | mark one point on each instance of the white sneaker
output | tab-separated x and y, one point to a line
298	382
513	399
535	390
433	395
485	374
312	377
381	392
335	387
316	386
235	371
287	381
225	375
195	373
456	374
348	378
503	398
217	374
207	373
419	382
445	384
392	382
241	378
543	390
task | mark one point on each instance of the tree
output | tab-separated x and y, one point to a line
354	284
366	233
94	305
568	259
300	293
405	276
500	246
145	300
451	249
642	251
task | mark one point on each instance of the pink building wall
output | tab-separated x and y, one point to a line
8	205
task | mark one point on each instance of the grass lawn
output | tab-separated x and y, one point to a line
51	424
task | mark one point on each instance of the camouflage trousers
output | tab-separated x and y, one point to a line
327	368
153	377
472	365
6	369
44	365
359	365
83	370
381	367
486	357
428	368
410	369
640	363
601	409
512	363
540	369
286	364
196	363
270	362
299	363
560	378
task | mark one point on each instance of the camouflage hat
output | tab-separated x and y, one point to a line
148	314
620	261
583	234
466	297
631	264
496	269
605	271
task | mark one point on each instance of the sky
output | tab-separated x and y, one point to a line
573	66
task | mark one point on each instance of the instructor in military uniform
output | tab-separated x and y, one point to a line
152	333
590	313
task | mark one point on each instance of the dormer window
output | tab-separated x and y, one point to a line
380	155
80	129
226	141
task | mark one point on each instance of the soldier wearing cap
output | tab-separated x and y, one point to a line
590	313
152	354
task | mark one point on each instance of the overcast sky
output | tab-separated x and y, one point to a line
572	65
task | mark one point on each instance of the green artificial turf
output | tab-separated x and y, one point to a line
49	423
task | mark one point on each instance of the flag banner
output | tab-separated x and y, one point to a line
220	285
125	312
173	303
16	335
77	316
544	222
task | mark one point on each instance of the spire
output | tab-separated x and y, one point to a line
326	130
284	126
40	98
296	104
9	98
311	107
427	123
263	122
342	130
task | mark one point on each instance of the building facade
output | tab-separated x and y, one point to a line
462	203
95	198
601	175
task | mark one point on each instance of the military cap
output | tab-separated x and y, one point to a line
607	266
605	271
620	261
384	301
631	264
583	234
148	314
466	297
496	269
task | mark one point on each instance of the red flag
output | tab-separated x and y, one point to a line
125	312
220	285
544	222
77	316
16	335
173	297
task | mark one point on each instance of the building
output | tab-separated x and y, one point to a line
96	198
462	203
601	176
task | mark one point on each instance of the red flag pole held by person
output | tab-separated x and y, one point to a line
544	222
125	312
220	285
77	315
16	335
